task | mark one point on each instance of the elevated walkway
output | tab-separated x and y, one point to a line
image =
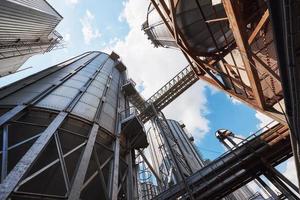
237	167
133	133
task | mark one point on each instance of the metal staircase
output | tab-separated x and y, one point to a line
170	91
165	95
151	109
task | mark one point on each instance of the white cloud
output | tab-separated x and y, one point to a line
191	108
67	37
264	120
89	31
153	67
71	2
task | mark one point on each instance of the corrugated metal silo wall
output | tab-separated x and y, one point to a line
26	20
85	89
62	96
189	151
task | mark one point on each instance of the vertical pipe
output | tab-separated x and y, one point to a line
114	168
4	152
129	180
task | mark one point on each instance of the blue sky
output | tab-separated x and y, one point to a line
116	25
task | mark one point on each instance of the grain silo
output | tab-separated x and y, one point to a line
68	132
27	28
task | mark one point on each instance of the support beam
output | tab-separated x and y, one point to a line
4	152
83	165
20	170
35	174
115	171
267	68
10	114
238	30
281	187
129	179
267	188
259	26
101	176
150	167
62	161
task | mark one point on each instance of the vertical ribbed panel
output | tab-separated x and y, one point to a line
61	97
40	5
19	22
26	28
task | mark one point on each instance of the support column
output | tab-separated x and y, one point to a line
267	188
19	171
83	165
114	183
4	152
238	30
281	186
129	180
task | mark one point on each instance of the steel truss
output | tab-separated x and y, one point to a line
253	42
270	172
255	64
23	48
233	169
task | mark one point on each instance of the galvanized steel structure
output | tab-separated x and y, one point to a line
66	132
27	28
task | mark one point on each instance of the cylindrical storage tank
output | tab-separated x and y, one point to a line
161	155
27	28
186	142
58	130
24	20
194	20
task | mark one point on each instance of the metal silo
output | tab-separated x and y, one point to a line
189	158
27	28
67	132
191	18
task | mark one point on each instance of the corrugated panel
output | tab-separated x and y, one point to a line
54	102
19	22
10	65
107	122
61	97
95	91
90	99
40	5
85	111
18	98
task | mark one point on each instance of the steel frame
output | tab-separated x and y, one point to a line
19	176
233	169
253	95
270	172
